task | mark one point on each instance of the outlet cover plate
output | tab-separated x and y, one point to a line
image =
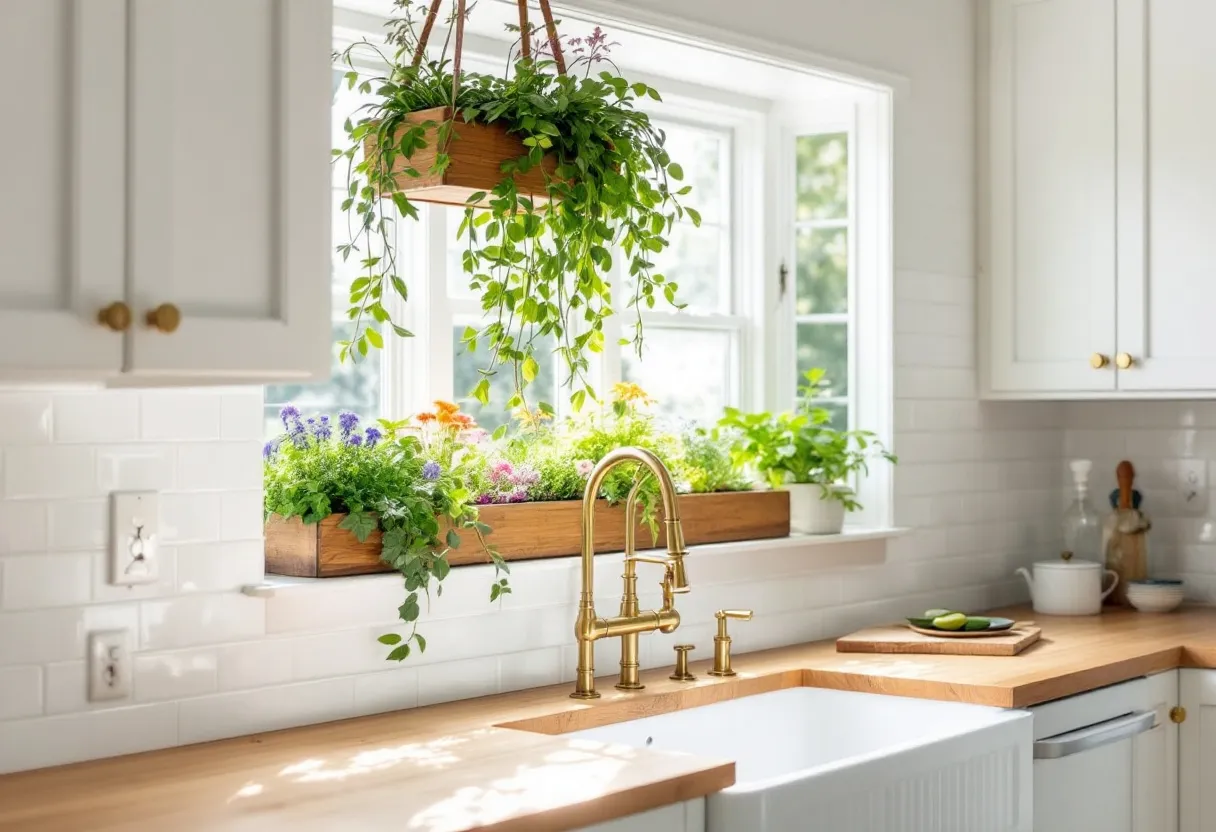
109	665
134	537
1193	486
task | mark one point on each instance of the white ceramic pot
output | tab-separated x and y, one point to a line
812	511
1073	587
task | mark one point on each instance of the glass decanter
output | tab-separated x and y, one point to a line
1082	524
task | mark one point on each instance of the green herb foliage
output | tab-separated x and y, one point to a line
383	482
800	446
540	271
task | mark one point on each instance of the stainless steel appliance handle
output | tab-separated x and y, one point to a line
1094	736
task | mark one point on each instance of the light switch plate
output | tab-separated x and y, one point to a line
109	665
134	537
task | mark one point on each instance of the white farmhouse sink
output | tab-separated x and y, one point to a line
838	761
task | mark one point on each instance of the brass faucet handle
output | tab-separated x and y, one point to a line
681	672
722	641
669	577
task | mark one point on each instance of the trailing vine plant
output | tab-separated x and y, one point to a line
543	268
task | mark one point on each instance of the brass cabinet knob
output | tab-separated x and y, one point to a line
681	673
722	641
116	316
165	317
1124	361
1098	360
1178	714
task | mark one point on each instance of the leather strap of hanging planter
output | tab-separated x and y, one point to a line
479	149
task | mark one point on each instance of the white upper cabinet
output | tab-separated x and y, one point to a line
61	185
1102	199
1167	195
1048	300
230	195
171	155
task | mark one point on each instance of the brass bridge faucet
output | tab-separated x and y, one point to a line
588	627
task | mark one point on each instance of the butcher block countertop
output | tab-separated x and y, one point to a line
500	762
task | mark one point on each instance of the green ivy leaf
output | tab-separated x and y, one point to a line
389	639
453	539
359	523
399	653
675	171
530	369
421	643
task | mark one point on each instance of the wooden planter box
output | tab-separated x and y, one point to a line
529	530
477	152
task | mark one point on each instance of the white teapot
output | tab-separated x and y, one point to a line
1068	587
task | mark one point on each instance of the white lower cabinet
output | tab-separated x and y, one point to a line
688	816
1108	759
1197	751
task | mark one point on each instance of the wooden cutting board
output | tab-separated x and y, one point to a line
897	638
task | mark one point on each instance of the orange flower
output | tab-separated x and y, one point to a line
464	420
423	418
448	408
627	391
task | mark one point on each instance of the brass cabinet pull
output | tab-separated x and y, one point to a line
116	316
1098	360
1124	361
165	317
1177	714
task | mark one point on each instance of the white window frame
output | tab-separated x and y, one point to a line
865	118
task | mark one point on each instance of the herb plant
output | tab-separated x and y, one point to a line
541	271
800	446
384	481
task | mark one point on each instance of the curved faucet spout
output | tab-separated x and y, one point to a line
589	627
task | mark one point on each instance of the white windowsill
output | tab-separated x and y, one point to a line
824	551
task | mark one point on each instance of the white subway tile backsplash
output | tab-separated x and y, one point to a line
79	524
254	664
36	581
190	620
175	675
49	471
27	417
190	518
449	681
228	465
343	653
135	468
530	669
241	414
165	584
247	712
51	635
180	415
241	516
67	689
218	567
49	741
20	692
392	690
97	416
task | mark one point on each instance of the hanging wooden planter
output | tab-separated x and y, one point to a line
477	151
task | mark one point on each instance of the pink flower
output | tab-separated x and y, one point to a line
501	470
584	467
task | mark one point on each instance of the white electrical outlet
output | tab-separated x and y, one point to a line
109	665
134	536
1193	486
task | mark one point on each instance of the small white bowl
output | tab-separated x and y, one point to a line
1155	596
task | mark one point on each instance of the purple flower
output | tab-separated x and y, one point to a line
349	421
270	449
431	471
354	440
289	414
584	467
322	429
373	436
518	496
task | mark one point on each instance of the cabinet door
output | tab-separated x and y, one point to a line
61	185
230	195
1049	295
1155	762
1197	751
1167	194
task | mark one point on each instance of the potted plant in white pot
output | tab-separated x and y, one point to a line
800	452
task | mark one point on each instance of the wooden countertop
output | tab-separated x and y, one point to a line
498	763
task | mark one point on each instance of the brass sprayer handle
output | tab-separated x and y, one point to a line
722	641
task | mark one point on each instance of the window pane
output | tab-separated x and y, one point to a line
354	385
465	377
822	280
696	261
686	371
701	154
823	176
825	346
838	409
458	281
